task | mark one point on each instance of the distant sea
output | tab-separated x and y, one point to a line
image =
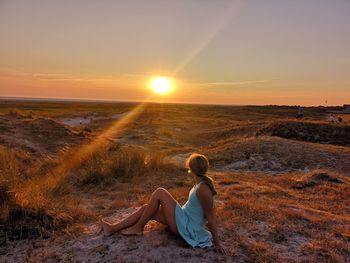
59	99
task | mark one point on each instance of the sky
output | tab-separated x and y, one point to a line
217	52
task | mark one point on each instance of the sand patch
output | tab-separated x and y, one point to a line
157	245
36	135
178	159
88	119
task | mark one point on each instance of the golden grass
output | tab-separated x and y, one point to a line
57	204
307	223
60	109
117	164
281	215
258	251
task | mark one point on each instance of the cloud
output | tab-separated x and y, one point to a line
59	77
231	83
229	86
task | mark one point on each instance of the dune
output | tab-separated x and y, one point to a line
283	194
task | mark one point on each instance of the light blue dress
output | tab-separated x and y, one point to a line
190	221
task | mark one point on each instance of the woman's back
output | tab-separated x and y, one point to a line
190	220
193	207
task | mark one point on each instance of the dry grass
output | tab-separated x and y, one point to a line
273	154
118	163
311	131
269	225
47	207
281	201
19	218
59	109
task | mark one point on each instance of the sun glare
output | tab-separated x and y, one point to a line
161	85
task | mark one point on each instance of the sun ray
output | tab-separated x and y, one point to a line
56	175
224	19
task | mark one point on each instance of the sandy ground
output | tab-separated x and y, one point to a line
84	120
256	231
37	136
235	148
157	245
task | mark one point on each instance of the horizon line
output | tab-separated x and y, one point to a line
58	99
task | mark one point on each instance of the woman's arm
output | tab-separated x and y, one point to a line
205	196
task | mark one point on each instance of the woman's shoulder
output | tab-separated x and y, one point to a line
204	190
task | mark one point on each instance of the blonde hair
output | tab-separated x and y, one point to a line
199	165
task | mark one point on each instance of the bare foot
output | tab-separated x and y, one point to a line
132	231
107	227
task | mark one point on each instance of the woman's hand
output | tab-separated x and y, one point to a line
222	250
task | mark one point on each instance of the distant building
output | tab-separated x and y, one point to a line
345	110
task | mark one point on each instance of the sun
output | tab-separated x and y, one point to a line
161	85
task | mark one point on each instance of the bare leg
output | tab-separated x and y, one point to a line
159	197
160	217
109	228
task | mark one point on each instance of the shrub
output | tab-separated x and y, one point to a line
117	163
29	215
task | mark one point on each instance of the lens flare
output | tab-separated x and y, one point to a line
56	175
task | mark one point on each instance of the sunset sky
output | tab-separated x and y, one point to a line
231	52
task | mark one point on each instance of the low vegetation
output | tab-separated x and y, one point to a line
329	133
283	196
37	212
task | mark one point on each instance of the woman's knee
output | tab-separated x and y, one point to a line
162	195
160	191
157	194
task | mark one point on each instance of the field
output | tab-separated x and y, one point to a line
283	184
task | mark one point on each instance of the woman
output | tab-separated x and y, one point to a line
187	221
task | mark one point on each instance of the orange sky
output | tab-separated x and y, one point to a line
231	52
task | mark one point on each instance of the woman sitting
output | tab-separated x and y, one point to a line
187	221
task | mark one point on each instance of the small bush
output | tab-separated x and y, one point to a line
117	163
315	179
31	215
127	162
